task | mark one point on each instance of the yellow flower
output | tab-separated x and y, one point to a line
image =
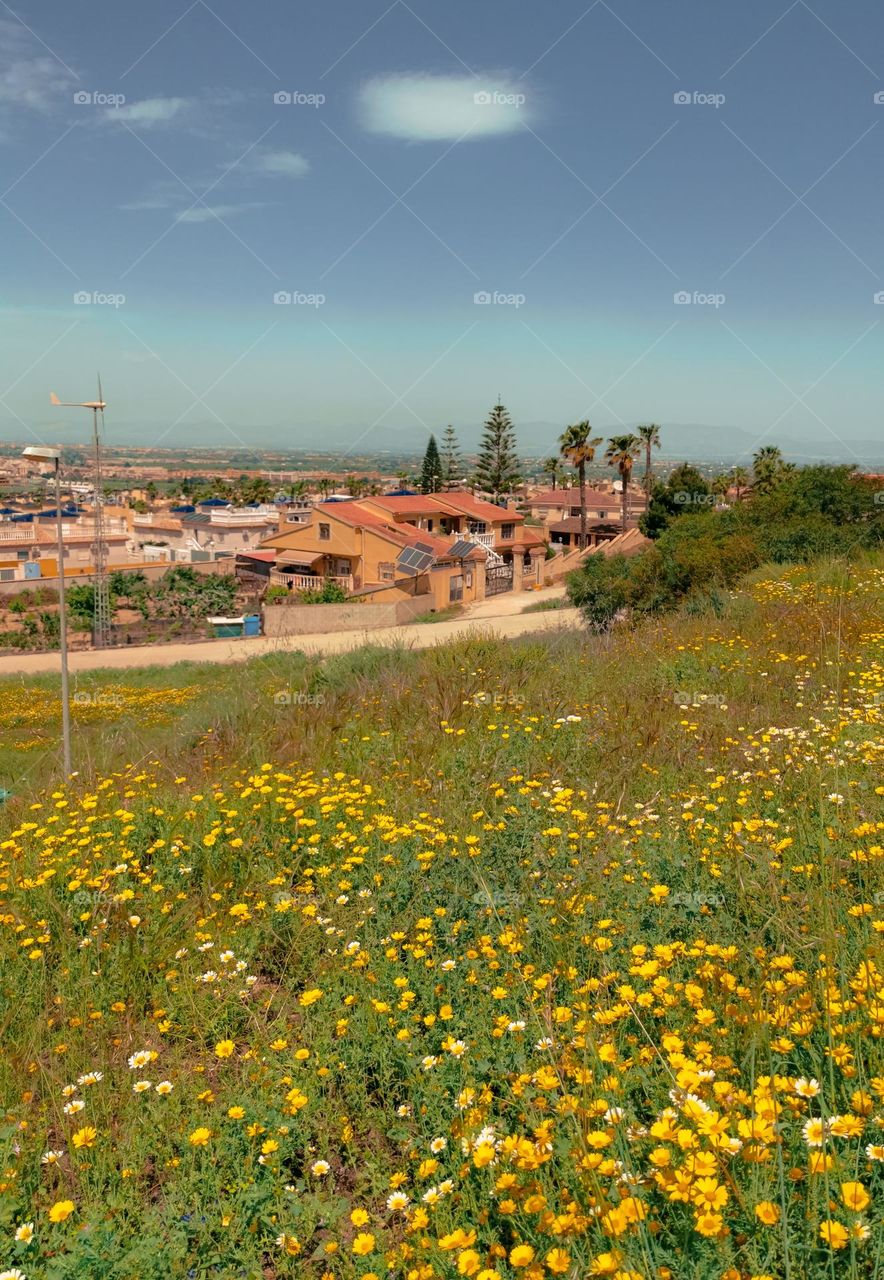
834	1234
363	1244
709	1224
468	1263
224	1048
521	1256
855	1196
359	1217
558	1261
200	1137
236	1113
767	1212
85	1137
309	997
61	1210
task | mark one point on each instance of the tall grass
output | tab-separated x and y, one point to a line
573	942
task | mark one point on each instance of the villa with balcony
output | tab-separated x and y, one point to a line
29	547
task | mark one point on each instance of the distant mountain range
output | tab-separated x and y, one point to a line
681	441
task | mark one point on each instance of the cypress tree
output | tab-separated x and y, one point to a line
431	470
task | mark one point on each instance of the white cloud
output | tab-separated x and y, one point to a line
209	213
147	113
280	164
435	108
29	76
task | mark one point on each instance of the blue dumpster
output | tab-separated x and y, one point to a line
252	624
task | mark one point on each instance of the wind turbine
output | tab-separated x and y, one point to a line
101	621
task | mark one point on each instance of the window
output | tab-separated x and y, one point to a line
325	532
469	577
507	531
455	587
386	570
603	515
429	526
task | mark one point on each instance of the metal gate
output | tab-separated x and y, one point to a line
498	577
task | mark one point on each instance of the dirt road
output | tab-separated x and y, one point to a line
501	616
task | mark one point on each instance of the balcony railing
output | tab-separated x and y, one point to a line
308	581
24	532
483	539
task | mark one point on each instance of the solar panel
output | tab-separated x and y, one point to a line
416	558
462	548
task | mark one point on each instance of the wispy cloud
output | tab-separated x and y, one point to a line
279	164
29	76
209	213
147	113
420	107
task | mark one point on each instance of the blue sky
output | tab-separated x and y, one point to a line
538	157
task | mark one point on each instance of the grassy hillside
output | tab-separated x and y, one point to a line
559	958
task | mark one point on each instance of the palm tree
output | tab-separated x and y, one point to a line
767	468
552	468
740	481
720	484
578	447
649	434
621	453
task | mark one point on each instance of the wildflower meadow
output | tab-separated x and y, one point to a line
560	958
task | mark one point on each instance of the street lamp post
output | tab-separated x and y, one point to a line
36	454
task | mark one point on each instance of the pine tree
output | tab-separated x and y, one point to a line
452	462
497	469
431	471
